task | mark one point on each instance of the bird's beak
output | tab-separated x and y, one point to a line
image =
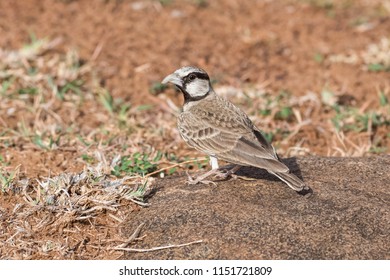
174	79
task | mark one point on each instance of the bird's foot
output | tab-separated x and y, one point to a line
219	174
200	179
229	173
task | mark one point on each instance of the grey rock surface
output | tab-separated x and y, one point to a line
346	217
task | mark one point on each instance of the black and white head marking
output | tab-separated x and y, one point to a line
193	82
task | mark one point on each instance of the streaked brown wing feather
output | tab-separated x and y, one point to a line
246	152
230	137
204	137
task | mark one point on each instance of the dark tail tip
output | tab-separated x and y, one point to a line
306	191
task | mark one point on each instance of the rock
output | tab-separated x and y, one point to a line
346	217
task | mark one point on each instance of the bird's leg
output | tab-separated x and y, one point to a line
215	170
229	172
201	178
214	162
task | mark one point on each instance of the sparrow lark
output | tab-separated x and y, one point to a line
213	125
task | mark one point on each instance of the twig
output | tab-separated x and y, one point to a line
138	202
156	248
296	129
132	237
115	218
175	165
97	51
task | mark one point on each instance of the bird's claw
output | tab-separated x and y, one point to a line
199	179
224	175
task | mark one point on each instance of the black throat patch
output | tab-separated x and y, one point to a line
189	98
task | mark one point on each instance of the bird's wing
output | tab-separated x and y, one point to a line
230	137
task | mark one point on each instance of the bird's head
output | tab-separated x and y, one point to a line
193	82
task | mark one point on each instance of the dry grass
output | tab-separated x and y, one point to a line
65	205
304	125
376	57
53	102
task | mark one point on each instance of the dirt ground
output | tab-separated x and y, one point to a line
328	61
343	219
271	43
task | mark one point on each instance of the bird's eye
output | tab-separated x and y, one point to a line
192	77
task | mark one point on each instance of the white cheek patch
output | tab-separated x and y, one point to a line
198	88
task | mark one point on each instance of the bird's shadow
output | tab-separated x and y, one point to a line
244	171
259	173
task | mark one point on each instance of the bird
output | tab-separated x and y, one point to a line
215	126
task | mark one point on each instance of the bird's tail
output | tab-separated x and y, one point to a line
291	180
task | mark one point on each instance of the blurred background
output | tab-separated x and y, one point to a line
86	125
78	76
